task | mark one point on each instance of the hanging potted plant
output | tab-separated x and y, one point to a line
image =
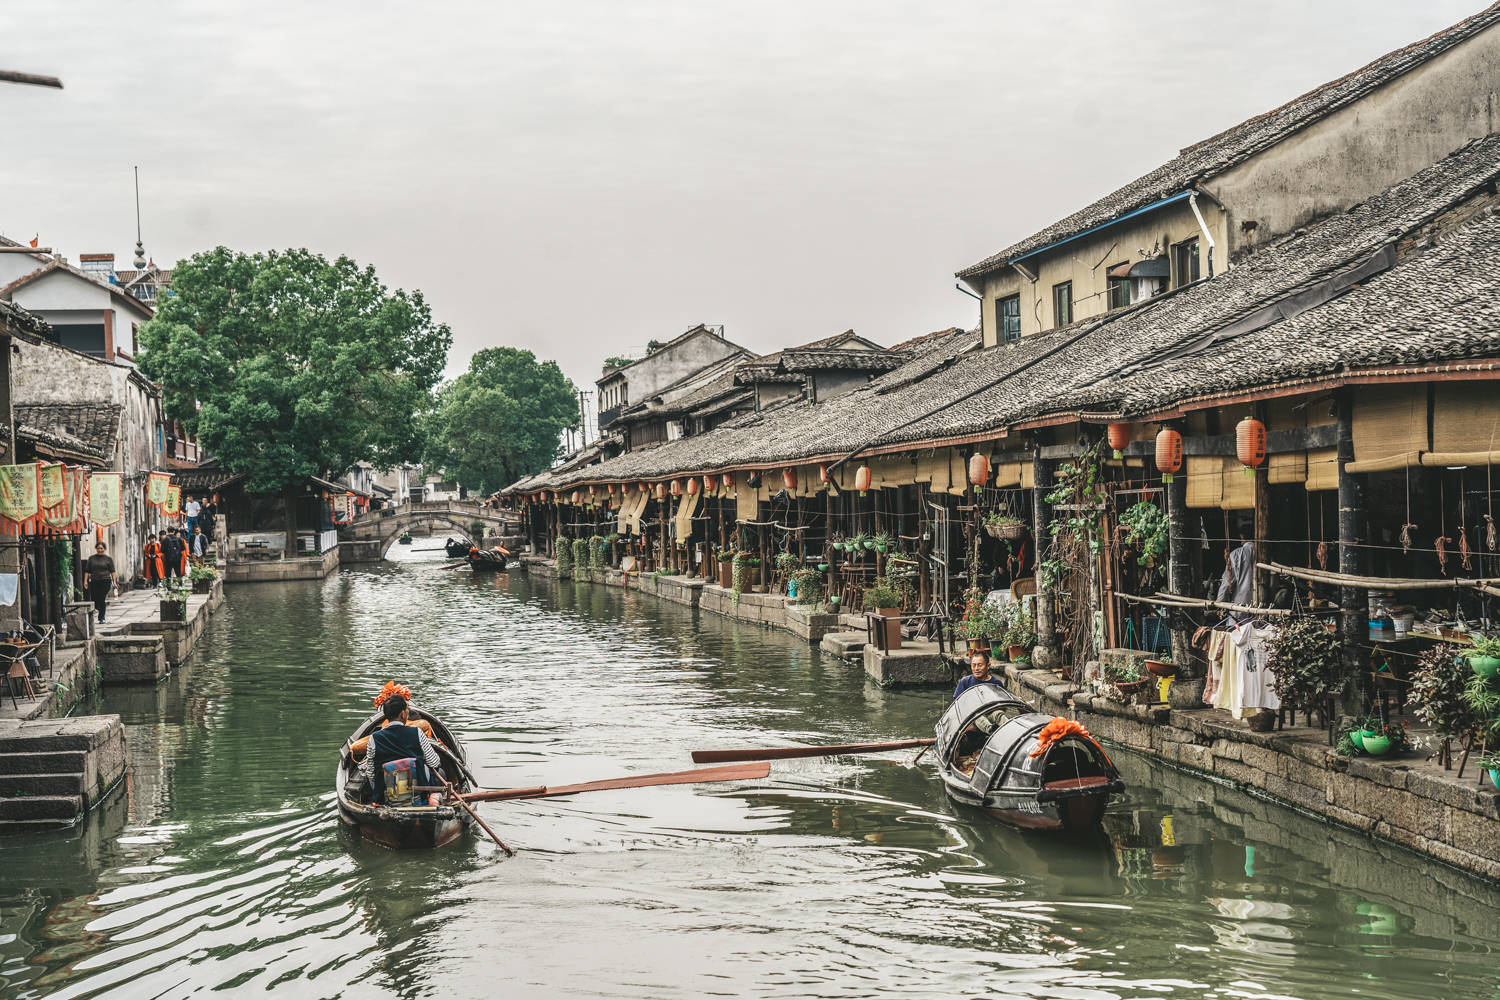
1161	664
1145	529
856	546
787	563
881	542
1003	524
173	594
1489	762
1484	657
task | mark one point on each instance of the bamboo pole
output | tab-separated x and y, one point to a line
1380	583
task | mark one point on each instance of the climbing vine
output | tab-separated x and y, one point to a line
1076	538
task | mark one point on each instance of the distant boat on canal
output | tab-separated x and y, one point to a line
401	827
1023	767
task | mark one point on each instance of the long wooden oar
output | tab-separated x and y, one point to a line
740	772
453	793
786	753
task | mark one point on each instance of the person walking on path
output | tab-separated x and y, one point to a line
101	574
191	510
154	569
173	553
199	543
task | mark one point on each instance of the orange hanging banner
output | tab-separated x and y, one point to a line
61	513
173	503
51	488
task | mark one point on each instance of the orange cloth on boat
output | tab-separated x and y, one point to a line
1056	730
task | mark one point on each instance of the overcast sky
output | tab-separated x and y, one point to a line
581	178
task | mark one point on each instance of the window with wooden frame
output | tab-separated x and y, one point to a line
1062	303
1008	319
1119	288
1185	262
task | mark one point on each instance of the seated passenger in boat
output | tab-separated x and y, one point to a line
400	740
979	672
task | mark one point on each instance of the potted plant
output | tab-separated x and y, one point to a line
726	568
1484	658
982	623
1145	528
787	564
740	578
173	594
1003	524
1304	660
1161	664
757	571
807	586
882	541
1127	677
1489	762
1436	693
856	546
1020	637
882	599
202	576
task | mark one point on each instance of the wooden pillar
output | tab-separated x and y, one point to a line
1047	654
1260	588
1354	619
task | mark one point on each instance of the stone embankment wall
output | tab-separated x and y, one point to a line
1408	802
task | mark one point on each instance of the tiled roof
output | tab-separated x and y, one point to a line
21	319
803	360
87	430
1411	276
1228	148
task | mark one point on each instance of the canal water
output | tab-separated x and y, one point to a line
221	869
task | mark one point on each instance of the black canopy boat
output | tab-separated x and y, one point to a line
987	748
402	826
487	560
457	548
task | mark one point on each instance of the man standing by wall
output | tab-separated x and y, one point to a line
173	551
190	510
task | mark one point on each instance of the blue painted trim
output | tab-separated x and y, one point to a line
1173	199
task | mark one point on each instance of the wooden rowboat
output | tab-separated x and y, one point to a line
487	561
985	742
402	827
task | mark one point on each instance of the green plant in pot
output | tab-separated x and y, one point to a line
856	546
881	596
882	541
173	594
808	586
982	624
1484	658
1124	671
1489	761
1020	637
1436	694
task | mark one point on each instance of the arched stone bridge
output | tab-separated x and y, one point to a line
370	536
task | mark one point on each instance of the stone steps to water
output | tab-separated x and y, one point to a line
44	762
62	808
14	785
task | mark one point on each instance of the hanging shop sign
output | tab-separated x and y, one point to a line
156	488
18	492
173	503
104	498
61	514
51	485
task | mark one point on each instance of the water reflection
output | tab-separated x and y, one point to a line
222	866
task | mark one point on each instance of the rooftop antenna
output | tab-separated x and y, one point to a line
140	249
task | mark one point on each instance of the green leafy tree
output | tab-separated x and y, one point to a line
500	420
288	365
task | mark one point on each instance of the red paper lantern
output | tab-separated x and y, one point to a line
979	469
709	482
789	478
641	487
823	473
677	487
592	491
1250	443
728	480
661	491
575	496
862	478
1119	438
692	486
611	488
1168	453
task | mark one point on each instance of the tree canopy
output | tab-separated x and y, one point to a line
500	420
286	364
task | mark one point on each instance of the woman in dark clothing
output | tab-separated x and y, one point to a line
101	574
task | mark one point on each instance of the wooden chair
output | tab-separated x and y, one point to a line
13	658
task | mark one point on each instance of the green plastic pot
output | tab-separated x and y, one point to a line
1494	774
869	545
822	567
1357	737
834	600
1376	744
1485	666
